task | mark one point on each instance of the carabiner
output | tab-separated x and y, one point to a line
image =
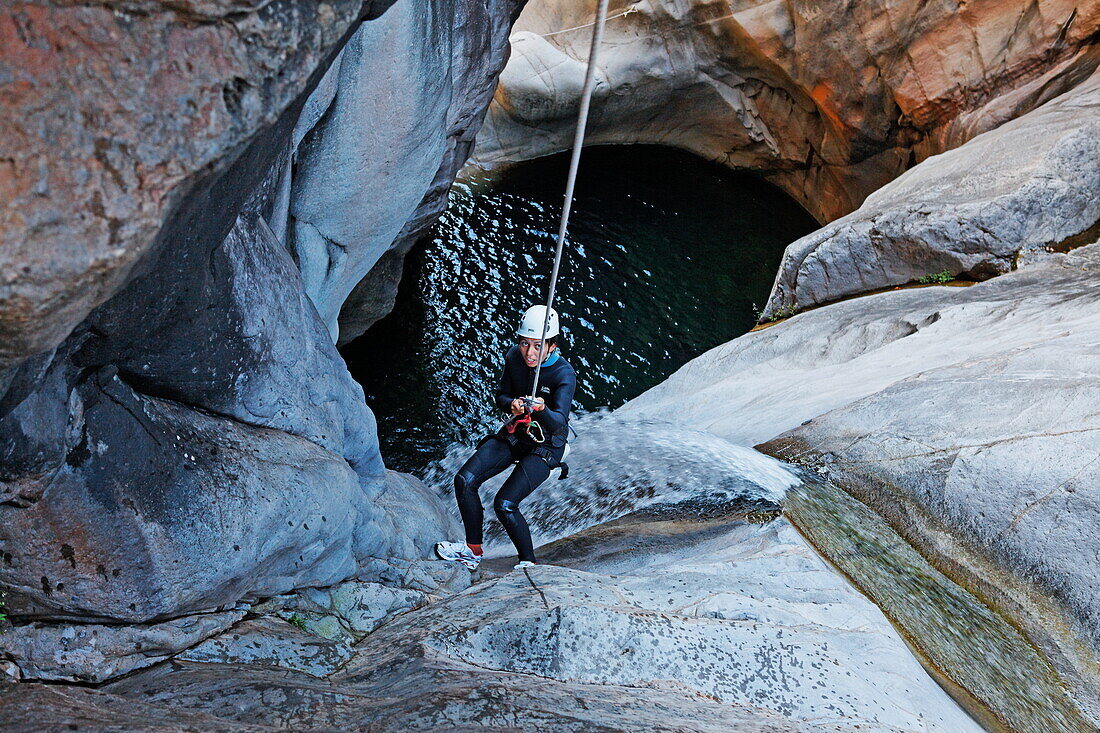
541	436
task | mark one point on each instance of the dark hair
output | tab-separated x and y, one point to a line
552	341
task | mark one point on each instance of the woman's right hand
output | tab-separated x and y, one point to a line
518	408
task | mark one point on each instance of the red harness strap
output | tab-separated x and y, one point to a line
513	424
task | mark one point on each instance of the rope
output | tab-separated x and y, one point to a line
628	11
571	179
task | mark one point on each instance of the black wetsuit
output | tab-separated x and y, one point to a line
557	382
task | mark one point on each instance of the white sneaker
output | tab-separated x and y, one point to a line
523	564
458	552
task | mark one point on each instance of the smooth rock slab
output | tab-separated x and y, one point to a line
644	649
977	406
748	616
272	642
672	625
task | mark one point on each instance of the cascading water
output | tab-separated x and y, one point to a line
667	255
622	465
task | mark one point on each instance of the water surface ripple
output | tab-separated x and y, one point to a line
666	258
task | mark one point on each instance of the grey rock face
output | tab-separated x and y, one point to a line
197	439
1030	183
361	174
976	406
1017	477
157	508
225	462
272	642
116	114
371	178
432	577
95	653
236	337
345	612
412	518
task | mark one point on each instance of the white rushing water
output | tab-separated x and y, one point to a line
619	465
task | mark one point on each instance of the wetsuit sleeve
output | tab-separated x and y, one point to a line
556	414
504	392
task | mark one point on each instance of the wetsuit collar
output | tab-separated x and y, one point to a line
550	359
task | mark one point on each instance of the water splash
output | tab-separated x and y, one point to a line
624	464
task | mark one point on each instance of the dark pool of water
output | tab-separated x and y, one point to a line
666	258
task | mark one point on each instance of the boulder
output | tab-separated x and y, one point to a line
1028	185
829	101
157	508
131	506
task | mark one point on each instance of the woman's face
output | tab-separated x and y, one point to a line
530	350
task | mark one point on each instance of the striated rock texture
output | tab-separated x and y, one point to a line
95	652
967	416
177	429
829	100
1030	184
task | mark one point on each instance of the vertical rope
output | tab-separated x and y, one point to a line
571	180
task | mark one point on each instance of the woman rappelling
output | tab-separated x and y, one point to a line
535	434
533	438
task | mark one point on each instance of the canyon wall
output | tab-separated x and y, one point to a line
827	99
177	429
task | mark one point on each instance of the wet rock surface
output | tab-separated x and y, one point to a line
970	410
828	100
1028	185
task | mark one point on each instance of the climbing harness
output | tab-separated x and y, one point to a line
533	429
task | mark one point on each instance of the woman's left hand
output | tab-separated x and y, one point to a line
539	405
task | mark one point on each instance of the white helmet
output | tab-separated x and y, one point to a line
531	325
